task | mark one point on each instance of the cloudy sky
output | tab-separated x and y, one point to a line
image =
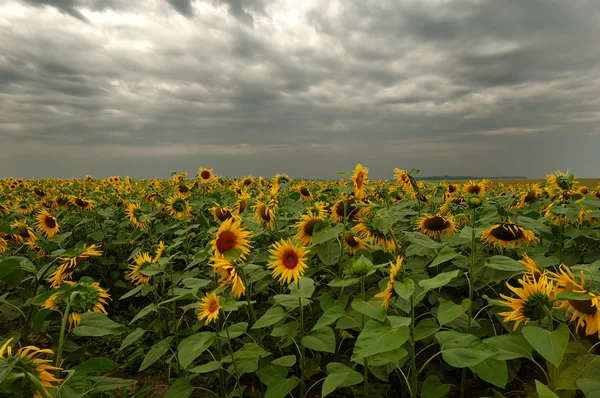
308	88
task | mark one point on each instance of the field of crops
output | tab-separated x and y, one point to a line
204	286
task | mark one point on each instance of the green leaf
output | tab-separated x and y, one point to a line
206	368
60	238
372	308
11	272
271	317
272	375
449	311
586	366
103	383
132	338
180	389
97	364
192	347
322	339
493	371
573	296
329	252
377	337
425	328
145	311
282	389
590	387
132	292
543	391
156	351
550	345
510	346
504	263
422	240
305	288
330	315
286	361
405	289
235	330
343	282
441	279
434	388
463	350
95	324
248	351
445	254
327	233
338	376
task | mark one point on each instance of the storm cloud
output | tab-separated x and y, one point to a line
144	88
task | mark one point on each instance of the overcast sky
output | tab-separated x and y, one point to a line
307	88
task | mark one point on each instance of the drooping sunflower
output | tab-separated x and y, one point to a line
135	214
38	191
90	297
24	207
475	187
24	232
436	226
229	275
558	217
387	293
354	243
142	261
341	206
177	178
3	244
360	180
533	194
248	181
405	179
177	206
205	175
585	312
60	202
221	213
306	227
533	301
209	307
231	236
32	362
562	182
242	202
281	178
508	235
83	204
368	229
47	224
4	209
264	213
288	261
70	264
305	194
533	268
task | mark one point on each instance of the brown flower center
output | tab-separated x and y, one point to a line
225	241
264	215
304	191
436	223
474	189
350	240
50	222
213	306
530	196
309	227
290	259
584	306
507	232
205	175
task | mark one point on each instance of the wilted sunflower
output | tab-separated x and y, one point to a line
306	227
435	226
533	269
231	236
24	232
387	293
264	214
38	191
288	261
585	312
475	187
405	179
360	180
229	275
554	212
209	307
533	301
70	264
143	260
562	182
135	214
337	211
508	235
29	361
533	194
177	206
205	175
354	243
60	202
47	224
221	213
242	202
24	207
83	204
90	297
304	192
368	229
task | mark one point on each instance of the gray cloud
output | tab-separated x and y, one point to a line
451	87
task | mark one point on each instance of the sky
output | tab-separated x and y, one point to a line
307	88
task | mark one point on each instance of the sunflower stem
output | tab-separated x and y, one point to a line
471	281
343	239
301	347
63	326
219	352
237	375
26	327
362	326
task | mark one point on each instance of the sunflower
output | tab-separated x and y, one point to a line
229	275
389	289
344	206
209	307
3	244
248	181
83	204
508	235
29	361
562	182
533	269
360	180
231	236
281	179
354	243
585	312
242	202
368	230
177	178
24	232
435	226
205	175
554	213
306	227
177	206
60	202
533	301
475	187
38	191
90	297
221	213
406	180
288	261
143	260
264	214
533	194
47	224
304	192
135	214
4	210
319	209
70	264
24	207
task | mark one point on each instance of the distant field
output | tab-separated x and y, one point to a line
588	182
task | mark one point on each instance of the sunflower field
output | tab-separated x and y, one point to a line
222	287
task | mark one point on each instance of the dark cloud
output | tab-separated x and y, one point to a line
452	87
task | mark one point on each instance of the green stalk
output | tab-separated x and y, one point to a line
301	347
343	238
413	358
219	352
471	280
26	327
38	386
63	326
362	326
237	376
